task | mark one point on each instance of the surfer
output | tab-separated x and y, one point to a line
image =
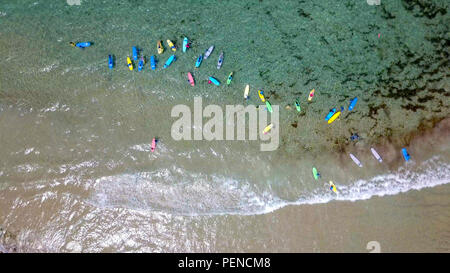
154	140
354	137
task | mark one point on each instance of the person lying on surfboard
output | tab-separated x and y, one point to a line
154	144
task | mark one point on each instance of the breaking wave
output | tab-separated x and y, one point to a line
178	192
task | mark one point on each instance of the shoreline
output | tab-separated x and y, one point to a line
323	227
397	222
432	130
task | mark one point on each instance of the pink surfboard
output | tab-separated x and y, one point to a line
191	79
153	144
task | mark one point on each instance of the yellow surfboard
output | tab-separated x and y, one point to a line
247	89
160	47
261	95
129	63
333	117
333	187
171	45
311	95
268	128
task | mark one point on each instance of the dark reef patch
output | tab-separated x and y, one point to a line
425	99
304	14
412	107
373	110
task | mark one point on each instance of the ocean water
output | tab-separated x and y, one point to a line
76	171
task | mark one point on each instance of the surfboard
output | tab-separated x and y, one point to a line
230	77
170	61
406	156
160	47
335	116
208	52
246	90
352	104
315	173
269	106
199	61
153	62
171	45
185	44
129	63
191	79
214	80
261	95
153	144
297	105
135	53
311	95
220	61
268	128
141	63
110	61
330	114
376	155
333	187
356	160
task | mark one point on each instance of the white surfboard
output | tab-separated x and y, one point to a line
247	89
208	52
357	162
376	155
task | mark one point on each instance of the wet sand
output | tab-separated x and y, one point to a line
416	221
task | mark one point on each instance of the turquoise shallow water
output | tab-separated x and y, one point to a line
285	48
78	135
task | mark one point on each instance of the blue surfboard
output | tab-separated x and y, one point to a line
405	154
352	104
153	62
83	44
110	61
141	64
170	61
185	44
214	80
330	114
199	61
135	53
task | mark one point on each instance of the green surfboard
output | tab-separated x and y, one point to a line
315	173
297	105
269	107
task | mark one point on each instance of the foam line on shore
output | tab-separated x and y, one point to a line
228	196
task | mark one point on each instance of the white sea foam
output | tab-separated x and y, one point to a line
56	107
49	68
180	192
